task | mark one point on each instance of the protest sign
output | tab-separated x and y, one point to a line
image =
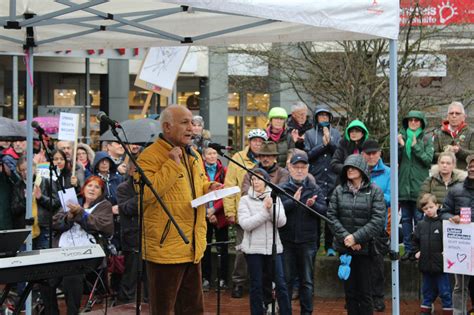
69	131
458	248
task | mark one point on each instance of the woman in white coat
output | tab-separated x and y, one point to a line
256	219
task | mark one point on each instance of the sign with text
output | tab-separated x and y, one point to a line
68	126
436	12
160	68
465	215
458	248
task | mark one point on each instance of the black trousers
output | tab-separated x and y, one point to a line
378	279
128	282
358	287
72	286
222	235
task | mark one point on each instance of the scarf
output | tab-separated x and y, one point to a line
211	170
35	229
453	133
410	134
275	137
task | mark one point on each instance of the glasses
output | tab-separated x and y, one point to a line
455	114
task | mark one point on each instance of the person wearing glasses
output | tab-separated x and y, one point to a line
455	135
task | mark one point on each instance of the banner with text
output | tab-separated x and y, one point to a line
458	248
436	12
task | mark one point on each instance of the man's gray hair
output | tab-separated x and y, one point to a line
166	115
298	106
71	143
457	104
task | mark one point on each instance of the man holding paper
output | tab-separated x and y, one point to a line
177	174
460	199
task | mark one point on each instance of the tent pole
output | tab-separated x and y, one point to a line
29	150
87	112
15	87
394	175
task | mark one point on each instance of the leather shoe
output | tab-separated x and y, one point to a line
237	292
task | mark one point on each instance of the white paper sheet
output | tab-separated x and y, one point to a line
215	195
69	196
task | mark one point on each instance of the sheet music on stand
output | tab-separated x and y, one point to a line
215	195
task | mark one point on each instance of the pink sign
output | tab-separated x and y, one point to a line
465	215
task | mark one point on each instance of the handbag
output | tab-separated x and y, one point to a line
380	245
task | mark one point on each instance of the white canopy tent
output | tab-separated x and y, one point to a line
31	26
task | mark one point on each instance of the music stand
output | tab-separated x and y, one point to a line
11	241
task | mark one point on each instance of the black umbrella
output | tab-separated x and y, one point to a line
11	130
135	131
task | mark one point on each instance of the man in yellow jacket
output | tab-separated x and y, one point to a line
235	177
176	171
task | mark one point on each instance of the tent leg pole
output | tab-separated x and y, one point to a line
29	151
394	175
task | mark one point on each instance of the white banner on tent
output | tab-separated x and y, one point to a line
458	249
68	126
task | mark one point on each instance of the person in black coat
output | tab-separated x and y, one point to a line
127	199
460	196
428	248
357	213
300	235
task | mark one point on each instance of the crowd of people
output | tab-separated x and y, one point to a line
339	178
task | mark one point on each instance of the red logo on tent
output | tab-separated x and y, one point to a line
436	12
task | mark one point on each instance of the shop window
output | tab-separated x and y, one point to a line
65	97
189	99
95	97
258	102
233	101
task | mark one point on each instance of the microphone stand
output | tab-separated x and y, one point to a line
52	169
219	246
144	181
276	191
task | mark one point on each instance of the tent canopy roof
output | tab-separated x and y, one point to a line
79	24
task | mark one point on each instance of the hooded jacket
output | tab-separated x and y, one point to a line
428	240
464	138
235	177
88	170
347	147
320	155
459	196
412	172
177	184
361	214
114	178
436	186
10	158
256	221
302	226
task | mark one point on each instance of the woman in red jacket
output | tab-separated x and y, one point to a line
216	222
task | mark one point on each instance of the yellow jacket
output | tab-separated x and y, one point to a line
235	177
161	242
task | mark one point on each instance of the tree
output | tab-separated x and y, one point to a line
349	76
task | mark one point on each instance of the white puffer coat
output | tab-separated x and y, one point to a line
256	221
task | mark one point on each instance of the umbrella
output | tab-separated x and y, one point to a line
135	131
11	130
50	124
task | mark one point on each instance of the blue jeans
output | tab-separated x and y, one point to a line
299	263
42	240
435	284
410	215
256	263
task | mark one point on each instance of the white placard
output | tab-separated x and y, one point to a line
75	236
160	69
458	248
67	197
68	126
215	195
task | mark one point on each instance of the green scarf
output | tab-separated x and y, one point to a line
410	134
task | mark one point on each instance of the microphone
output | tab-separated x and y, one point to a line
102	117
38	128
216	146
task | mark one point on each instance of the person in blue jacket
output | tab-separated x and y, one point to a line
380	176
